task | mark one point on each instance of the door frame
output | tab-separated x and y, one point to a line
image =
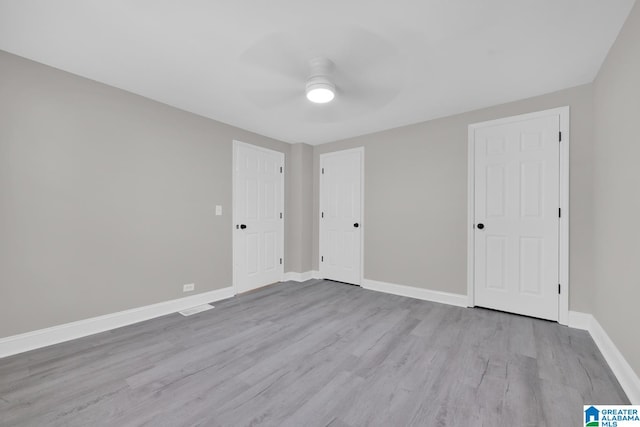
563	240
363	225
234	239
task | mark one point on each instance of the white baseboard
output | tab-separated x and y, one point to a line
627	377
300	277
418	293
580	320
69	331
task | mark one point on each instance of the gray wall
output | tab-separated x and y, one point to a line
416	197
299	221
617	191
107	198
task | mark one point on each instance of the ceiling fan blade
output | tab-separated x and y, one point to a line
357	49
374	90
273	98
280	54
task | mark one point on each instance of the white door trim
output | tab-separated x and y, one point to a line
563	112
363	224
234	243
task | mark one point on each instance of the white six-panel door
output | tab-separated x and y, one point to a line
516	230
341	216
258	216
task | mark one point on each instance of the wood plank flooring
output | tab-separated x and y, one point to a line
314	354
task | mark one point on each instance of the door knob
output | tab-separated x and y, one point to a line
480	226
356	225
243	226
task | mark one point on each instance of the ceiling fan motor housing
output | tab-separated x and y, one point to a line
318	81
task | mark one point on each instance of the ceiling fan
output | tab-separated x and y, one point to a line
343	71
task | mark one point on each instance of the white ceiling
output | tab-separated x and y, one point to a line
245	62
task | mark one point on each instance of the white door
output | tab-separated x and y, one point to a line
341	215
517	181
258	242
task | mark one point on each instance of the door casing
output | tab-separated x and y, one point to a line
563	241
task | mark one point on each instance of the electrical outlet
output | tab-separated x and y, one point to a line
188	288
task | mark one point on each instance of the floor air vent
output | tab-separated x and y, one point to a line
196	309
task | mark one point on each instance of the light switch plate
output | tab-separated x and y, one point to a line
218	210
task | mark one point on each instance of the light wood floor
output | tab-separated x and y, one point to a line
314	354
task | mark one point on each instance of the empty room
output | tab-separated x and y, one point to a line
342	213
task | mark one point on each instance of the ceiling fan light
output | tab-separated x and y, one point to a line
320	92
320	95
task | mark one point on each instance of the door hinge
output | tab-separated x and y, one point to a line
322	171
559	212
559	287
321	259
280	169
280	215
322	215
559	136
280	260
